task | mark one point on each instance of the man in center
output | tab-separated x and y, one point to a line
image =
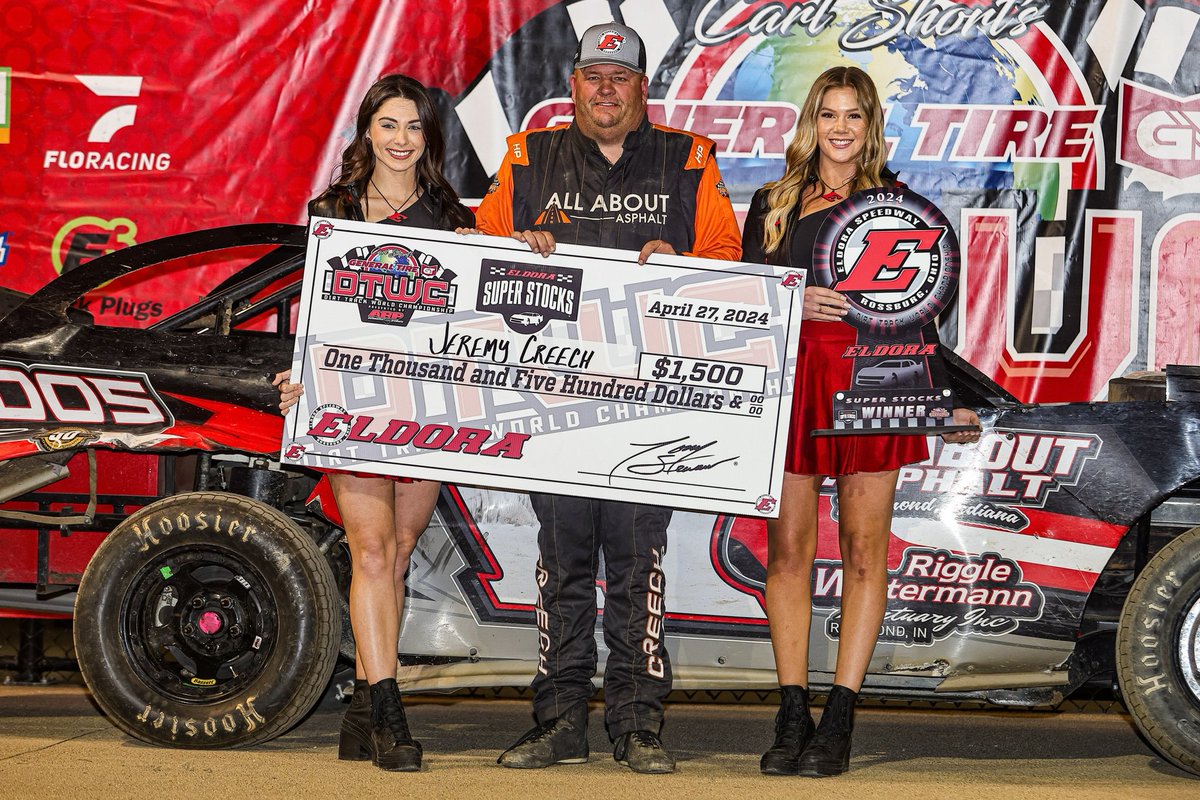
611	179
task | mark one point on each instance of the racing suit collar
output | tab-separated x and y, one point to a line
632	139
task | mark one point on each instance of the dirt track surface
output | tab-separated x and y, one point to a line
54	744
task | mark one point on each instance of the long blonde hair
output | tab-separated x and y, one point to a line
803	154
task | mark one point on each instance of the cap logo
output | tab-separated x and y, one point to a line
610	42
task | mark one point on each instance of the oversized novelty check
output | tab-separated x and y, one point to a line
471	360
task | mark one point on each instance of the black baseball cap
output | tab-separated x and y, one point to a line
611	43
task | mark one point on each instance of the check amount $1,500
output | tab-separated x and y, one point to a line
701	372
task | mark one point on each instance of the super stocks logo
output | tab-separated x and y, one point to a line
105	128
529	296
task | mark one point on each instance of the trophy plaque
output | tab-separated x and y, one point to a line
894	256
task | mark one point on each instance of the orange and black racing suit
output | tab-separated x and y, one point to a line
666	186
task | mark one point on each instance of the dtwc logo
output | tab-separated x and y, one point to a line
105	128
1158	138
389	283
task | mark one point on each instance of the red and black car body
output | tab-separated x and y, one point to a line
141	464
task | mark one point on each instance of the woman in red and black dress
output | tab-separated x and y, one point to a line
838	149
391	173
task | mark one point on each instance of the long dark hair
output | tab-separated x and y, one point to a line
358	159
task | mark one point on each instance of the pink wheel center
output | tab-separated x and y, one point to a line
210	622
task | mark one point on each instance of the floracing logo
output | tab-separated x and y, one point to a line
894	255
58	402
529	296
389	283
935	594
84	238
105	127
116	118
1158	138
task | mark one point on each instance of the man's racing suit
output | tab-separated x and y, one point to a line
666	186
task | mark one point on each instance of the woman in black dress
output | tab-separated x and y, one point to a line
838	149
391	173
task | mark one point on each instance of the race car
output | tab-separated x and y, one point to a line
1063	550
527	318
891	373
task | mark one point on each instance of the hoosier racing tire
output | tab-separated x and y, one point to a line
1158	652
207	620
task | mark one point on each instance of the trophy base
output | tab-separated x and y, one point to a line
908	430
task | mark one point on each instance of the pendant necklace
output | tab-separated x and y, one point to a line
832	194
396	216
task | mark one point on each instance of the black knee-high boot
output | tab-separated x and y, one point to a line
828	752
793	728
392	746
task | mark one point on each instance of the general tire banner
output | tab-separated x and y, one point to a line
1061	139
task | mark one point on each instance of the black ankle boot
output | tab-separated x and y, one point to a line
828	753
562	740
355	741
793	729
392	746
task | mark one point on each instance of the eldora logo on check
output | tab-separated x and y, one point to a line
529	296
389	283
331	424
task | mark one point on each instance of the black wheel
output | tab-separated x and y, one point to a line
207	620
1158	652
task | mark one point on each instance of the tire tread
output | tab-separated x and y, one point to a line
1148	725
324	592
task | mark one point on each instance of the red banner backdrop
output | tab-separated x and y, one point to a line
1062	139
